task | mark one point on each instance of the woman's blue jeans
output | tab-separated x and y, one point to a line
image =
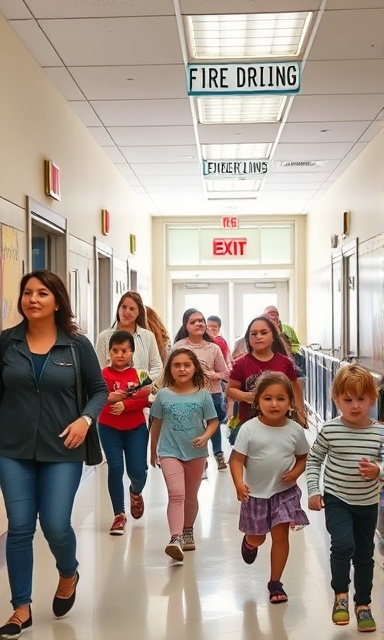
46	490
131	445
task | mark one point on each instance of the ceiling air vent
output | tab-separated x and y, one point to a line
301	164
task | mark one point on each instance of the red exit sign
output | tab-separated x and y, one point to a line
229	246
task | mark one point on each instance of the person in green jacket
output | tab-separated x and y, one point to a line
290	339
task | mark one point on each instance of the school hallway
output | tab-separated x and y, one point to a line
130	589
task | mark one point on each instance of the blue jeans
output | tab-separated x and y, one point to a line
218	401
352	530
47	490
132	444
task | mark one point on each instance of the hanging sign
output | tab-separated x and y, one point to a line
234	168
237	78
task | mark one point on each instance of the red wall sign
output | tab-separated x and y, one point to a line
229	246
229	222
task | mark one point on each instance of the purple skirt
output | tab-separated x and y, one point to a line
259	515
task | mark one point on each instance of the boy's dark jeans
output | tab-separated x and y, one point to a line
352	531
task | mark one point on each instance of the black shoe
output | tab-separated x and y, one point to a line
249	554
14	627
65	596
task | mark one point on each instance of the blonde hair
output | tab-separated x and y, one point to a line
159	331
354	379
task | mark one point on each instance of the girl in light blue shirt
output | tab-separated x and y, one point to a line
183	419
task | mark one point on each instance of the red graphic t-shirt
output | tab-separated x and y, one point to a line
133	415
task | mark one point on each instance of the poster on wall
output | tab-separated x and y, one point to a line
11	273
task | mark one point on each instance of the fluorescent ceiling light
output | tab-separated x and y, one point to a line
224	186
236	151
240	109
240	36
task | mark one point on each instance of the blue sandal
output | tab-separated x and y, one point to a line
277	594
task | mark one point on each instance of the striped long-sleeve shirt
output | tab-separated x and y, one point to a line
340	448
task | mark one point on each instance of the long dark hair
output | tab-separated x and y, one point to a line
64	317
183	331
277	343
141	319
199	379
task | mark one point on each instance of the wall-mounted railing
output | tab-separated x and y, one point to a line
320	369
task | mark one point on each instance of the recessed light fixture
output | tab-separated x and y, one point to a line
223	186
236	151
240	109
241	36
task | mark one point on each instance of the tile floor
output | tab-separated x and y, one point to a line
130	589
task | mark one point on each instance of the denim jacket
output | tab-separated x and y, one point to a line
34	412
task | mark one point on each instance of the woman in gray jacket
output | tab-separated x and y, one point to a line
42	437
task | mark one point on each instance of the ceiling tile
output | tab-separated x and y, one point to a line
127	82
335	108
85	113
342	76
125	113
115	41
167	169
64	82
14	9
37	43
330	151
150	136
160	154
349	35
236	133
323	132
89	8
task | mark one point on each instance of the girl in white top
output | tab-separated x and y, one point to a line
131	317
272	449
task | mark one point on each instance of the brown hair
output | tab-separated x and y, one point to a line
269	378
354	379
199	378
141	319
159	331
183	331
64	317
277	343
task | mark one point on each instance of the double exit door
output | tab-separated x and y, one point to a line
236	303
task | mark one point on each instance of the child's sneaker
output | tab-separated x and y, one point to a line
340	611
118	525
365	620
174	548
188	540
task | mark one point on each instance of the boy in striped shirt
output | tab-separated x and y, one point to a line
351	448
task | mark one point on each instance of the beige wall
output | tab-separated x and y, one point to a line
360	191
37	123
